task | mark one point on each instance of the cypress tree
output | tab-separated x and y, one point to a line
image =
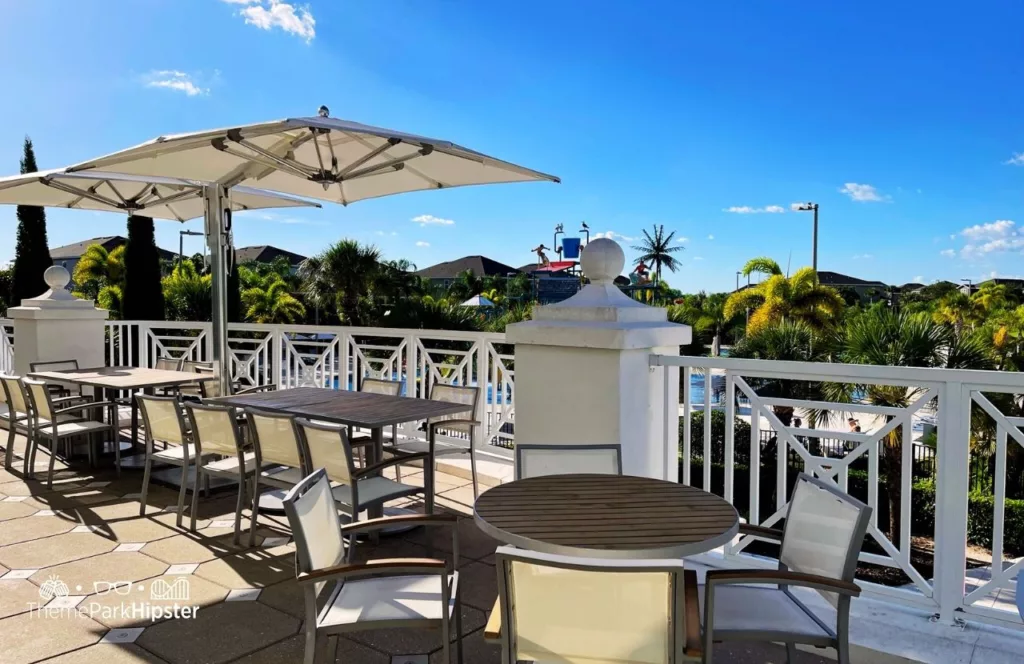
143	294
31	254
234	294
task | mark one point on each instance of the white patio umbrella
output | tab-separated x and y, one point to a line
158	197
478	301
316	157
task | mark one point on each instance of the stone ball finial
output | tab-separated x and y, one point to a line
602	260
57	277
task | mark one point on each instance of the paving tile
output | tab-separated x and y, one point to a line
104	653
71	499
19	573
29	528
130	546
139	605
182	569
475	650
472	542
287	596
409	641
123	635
18	596
15	510
478	584
38	638
114	567
293	648
248	570
55	550
220	633
191	548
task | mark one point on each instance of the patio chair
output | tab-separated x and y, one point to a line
460	424
354	490
192	390
821	541
164	422
541	460
17	416
383	593
278	451
46	422
168	363
215	431
65	391
391	388
567	609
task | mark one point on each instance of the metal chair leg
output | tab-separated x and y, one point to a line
195	501
9	452
238	510
790	653
181	492
255	508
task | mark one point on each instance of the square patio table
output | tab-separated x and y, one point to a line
132	379
364	410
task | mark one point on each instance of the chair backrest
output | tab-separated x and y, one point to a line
39	397
391	388
559	608
314	521
215	429
196	366
58	365
824	531
166	363
14	394
163	420
327	447
209	389
541	460
455	394
274	436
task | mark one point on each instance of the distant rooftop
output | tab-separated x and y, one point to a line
481	266
74	250
266	253
836	279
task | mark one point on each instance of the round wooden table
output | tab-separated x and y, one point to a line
606	516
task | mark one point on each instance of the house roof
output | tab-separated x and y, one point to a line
836	279
1005	281
266	253
109	242
481	266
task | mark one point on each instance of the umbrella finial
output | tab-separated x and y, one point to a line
323	112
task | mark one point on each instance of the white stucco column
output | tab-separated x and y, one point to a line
57	326
583	374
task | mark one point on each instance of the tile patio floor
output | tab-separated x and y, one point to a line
88	530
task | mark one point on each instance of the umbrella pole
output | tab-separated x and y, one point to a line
218	239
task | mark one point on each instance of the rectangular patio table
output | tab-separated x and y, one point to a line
364	410
132	379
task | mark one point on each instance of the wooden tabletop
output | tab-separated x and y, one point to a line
121	378
606	516
359	409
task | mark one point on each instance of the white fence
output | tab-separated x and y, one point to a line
946	398
6	346
338	358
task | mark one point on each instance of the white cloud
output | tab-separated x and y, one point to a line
746	209
918	279
421	243
711	237
612	235
697	258
995	237
991	230
431	220
1016	160
171	79
948	253
862	193
269	14
858	257
682	240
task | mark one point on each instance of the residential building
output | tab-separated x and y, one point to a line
443	274
69	254
266	253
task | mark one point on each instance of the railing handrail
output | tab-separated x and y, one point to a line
842	372
497	337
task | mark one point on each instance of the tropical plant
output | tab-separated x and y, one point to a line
466	285
517	313
31	252
957	309
706	313
99	275
143	294
799	298
657	249
6	278
187	294
268	300
341	277
433	315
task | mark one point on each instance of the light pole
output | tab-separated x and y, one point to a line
970	285
181	242
738	273
810	207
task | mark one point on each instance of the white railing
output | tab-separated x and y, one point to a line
338	358
6	346
757	391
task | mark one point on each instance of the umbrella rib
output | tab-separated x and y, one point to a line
390	163
172	198
319	156
112	188
380	149
82	193
282	162
174	212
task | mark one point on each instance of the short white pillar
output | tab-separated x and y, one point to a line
583	374
57	326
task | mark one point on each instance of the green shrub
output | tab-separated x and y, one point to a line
741	436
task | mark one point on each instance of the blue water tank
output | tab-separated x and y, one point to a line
570	247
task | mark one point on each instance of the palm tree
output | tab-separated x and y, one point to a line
465	286
271	302
97	268
706	313
884	337
799	298
187	294
342	276
657	250
955	308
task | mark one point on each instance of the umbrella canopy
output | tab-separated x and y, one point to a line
158	197
478	301
315	157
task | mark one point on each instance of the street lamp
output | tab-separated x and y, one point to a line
810	207
738	273
181	242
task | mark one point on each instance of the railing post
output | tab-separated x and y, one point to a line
953	459
142	342
276	355
481	382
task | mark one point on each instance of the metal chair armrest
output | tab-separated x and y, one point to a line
442	423
381	567
85	406
269	387
439	519
393	461
761	532
771	576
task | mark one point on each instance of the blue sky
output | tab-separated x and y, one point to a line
903	123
